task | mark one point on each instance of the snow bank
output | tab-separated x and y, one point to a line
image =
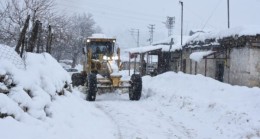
204	107
31	88
32	105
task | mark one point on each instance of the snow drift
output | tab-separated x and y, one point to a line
32	87
205	107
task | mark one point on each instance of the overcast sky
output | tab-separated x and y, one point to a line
117	17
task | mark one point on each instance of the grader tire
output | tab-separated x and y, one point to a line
135	90
78	79
92	87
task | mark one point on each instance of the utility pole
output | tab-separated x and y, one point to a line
170	24
138	38
181	31
228	14
151	31
136	32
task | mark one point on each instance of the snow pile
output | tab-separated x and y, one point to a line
198	56
70	118
8	54
34	103
114	67
201	107
30	90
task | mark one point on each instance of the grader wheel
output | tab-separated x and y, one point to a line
92	87
136	87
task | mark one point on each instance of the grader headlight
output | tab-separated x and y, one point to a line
105	58
115	57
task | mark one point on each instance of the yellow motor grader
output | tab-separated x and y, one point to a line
101	71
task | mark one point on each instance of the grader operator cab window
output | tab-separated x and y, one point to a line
104	48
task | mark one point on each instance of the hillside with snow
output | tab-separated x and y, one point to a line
36	101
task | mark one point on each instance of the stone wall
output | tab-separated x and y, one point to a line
254	79
245	67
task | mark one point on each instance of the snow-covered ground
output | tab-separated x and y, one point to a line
173	106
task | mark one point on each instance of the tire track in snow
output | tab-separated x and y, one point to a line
119	133
135	121
142	119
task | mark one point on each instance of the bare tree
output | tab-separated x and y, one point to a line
22	36
57	34
83	28
15	12
34	36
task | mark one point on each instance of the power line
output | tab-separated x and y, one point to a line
212	13
105	6
136	32
111	12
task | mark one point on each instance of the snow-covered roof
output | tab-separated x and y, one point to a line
100	36
176	40
145	49
236	31
198	56
161	45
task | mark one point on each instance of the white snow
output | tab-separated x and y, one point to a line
198	56
79	68
173	105
8	54
37	109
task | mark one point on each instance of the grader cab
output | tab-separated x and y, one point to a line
102	70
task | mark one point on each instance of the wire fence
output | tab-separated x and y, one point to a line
8	54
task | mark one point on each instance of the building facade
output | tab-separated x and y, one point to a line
233	60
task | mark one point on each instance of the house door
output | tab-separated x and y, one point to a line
184	65
220	71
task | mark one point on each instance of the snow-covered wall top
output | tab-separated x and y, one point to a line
198	56
236	31
8	54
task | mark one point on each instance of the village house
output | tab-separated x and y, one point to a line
231	56
163	55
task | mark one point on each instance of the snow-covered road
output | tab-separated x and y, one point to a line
139	119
